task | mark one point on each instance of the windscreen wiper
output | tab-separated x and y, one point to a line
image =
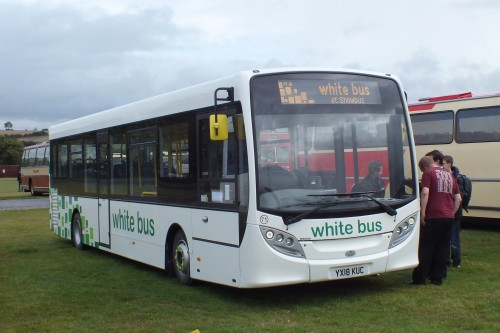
292	220
389	210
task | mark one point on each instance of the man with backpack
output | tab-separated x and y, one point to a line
439	201
464	192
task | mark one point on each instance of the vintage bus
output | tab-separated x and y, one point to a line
35	168
186	182
467	127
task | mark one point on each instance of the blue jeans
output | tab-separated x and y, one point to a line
455	243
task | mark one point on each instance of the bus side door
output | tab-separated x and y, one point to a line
103	188
215	239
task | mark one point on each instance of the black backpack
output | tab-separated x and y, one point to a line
465	186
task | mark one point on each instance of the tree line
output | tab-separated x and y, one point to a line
11	150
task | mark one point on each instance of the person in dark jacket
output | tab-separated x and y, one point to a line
455	231
19	181
373	182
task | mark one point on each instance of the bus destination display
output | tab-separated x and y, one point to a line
328	92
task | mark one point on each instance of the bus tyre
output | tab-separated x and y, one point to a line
180	258
76	231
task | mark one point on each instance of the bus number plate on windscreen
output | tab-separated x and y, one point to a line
348	272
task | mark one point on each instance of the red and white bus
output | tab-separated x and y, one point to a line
35	168
467	127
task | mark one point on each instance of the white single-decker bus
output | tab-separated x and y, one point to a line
183	181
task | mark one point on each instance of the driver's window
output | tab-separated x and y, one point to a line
217	162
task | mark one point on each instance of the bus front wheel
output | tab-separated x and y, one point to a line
181	259
76	228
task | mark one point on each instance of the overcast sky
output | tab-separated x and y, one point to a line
62	59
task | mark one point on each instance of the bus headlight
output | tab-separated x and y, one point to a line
269	234
282	242
403	230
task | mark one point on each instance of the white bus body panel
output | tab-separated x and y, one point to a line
138	231
262	266
214	247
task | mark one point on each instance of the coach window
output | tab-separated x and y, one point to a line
32	157
432	128
40	153
24	159
478	125
119	164
143	162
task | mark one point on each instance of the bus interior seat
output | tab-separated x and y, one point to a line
274	177
307	179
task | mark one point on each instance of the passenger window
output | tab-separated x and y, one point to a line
62	158
75	160
119	164
174	150
89	173
432	128
143	162
478	125
40	152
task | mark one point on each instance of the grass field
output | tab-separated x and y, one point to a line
46	285
9	189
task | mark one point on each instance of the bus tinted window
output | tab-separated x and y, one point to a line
75	160
478	125
433	128
143	168
46	156
174	150
62	160
119	164
90	185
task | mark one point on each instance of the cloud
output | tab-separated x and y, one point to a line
62	62
62	59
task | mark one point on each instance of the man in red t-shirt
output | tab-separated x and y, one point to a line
439	200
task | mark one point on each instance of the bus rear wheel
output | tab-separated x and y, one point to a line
76	231
181	259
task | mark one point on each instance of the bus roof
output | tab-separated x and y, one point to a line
41	144
190	98
428	103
